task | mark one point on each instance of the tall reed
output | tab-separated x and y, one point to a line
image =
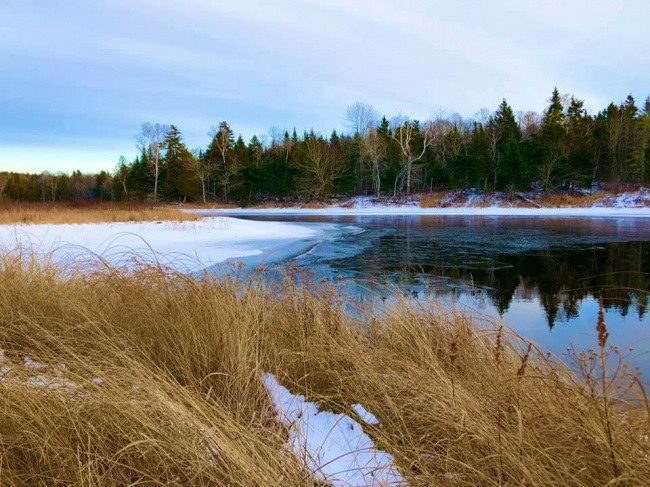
154	378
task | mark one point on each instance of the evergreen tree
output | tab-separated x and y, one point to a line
552	165
479	158
510	172
253	173
645	142
580	143
180	175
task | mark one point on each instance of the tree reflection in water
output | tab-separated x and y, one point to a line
557	261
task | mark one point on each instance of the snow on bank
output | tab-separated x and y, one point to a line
414	210
187	246
631	204
332	446
634	199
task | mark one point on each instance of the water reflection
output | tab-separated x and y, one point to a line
534	272
559	278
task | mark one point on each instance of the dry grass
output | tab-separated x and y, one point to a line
89	212
561	200
451	199
446	199
209	205
313	204
557	199
181	401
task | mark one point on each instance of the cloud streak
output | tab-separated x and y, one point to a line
85	74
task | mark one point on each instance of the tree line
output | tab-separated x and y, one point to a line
564	147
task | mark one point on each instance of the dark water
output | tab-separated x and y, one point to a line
542	275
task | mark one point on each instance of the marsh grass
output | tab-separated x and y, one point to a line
559	199
89	212
165	386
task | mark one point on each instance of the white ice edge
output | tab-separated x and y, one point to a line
409	210
191	245
332	446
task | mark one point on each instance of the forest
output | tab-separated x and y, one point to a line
565	147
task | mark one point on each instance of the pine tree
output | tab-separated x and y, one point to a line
552	144
510	172
633	150
479	157
179	174
645	141
580	143
253	172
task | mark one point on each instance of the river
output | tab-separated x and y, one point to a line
542	276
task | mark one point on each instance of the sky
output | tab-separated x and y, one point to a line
78	77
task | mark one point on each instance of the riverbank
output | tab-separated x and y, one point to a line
157	377
633	203
414	210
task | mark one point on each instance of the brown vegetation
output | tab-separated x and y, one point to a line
549	199
181	401
89	212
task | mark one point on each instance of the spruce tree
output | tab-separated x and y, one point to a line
580	143
179	174
552	139
479	158
510	172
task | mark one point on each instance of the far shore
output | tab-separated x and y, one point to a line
635	203
406	210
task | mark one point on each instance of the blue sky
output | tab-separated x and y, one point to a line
78	77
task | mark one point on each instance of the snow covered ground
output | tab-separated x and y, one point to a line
187	246
630	204
332	446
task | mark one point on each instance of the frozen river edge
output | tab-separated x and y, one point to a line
185	246
593	212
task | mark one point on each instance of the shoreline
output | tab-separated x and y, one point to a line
590	212
193	246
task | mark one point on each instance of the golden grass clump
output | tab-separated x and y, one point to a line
89	212
161	385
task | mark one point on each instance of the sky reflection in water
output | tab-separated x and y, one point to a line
543	276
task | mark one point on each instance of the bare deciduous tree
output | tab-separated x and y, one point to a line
152	136
406	132
276	134
360	117
438	130
321	165
122	174
223	141
203	169
375	152
494	136
482	116
529	123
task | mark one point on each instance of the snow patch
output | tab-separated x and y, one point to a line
187	246
636	199
365	416
332	446
370	202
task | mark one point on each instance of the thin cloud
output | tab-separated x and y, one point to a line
90	72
